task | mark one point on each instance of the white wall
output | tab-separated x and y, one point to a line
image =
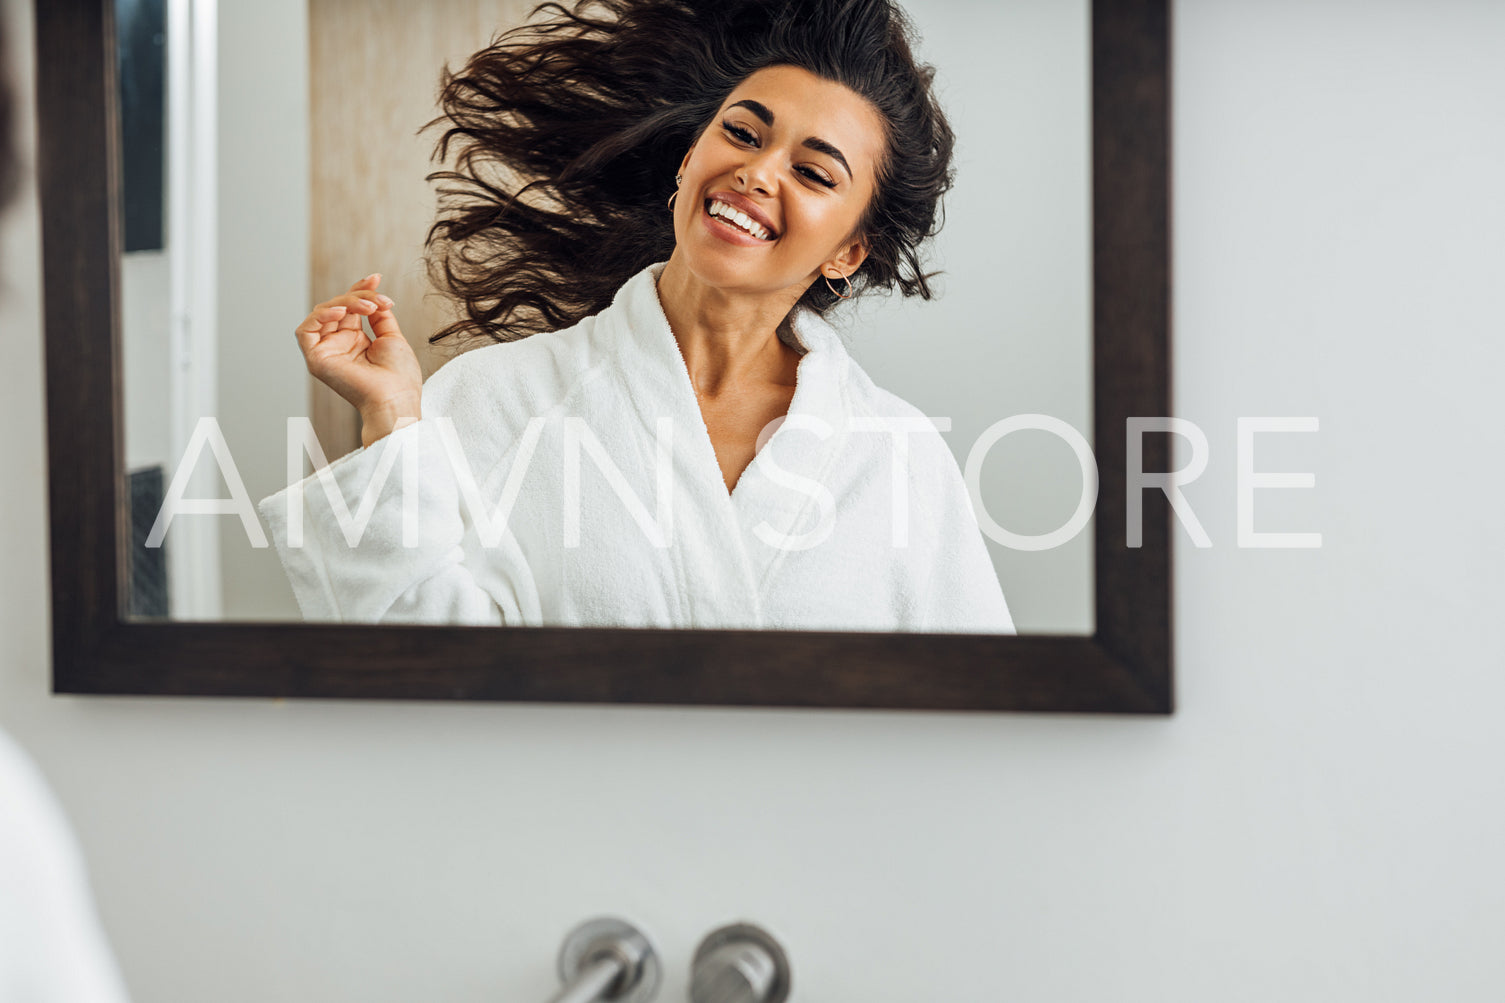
262	263
1321	820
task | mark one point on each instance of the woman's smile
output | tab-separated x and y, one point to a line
737	220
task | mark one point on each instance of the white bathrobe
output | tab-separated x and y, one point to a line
568	479
52	948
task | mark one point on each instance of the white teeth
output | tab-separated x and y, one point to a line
739	219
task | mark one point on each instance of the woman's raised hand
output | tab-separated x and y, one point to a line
380	376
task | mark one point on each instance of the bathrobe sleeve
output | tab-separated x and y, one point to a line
962	594
381	534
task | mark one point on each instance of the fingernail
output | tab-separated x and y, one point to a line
386	301
373	275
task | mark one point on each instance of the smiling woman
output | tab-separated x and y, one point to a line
677	343
570	130
769	208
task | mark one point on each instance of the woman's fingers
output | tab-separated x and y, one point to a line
368	305
365	302
384	321
356	306
323	320
344	313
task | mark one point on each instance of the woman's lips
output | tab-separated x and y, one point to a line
727	231
744	206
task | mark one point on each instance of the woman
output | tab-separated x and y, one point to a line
654	203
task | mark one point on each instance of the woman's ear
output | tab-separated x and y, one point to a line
848	258
685	163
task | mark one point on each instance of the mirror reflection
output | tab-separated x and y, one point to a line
645	329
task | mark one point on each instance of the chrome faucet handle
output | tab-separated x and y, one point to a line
607	960
740	963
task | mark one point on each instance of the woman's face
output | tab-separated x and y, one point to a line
775	187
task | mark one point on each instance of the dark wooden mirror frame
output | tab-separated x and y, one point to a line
1124	667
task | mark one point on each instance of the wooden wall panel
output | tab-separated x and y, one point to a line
375	81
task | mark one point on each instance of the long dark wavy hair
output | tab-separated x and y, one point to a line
568	130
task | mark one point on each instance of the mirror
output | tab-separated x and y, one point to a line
1054	302
281	189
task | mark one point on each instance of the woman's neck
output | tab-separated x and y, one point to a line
730	342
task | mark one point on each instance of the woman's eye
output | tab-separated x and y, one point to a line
817	177
743	135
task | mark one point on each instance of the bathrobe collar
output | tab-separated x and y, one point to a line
767	501
637	318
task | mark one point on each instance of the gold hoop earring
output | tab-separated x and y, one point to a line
833	288
679	179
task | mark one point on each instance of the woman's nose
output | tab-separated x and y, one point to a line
759	173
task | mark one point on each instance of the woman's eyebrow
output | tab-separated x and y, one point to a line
759	109
821	146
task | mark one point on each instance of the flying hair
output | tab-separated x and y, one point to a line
562	138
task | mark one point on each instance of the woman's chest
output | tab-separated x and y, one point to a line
736	423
